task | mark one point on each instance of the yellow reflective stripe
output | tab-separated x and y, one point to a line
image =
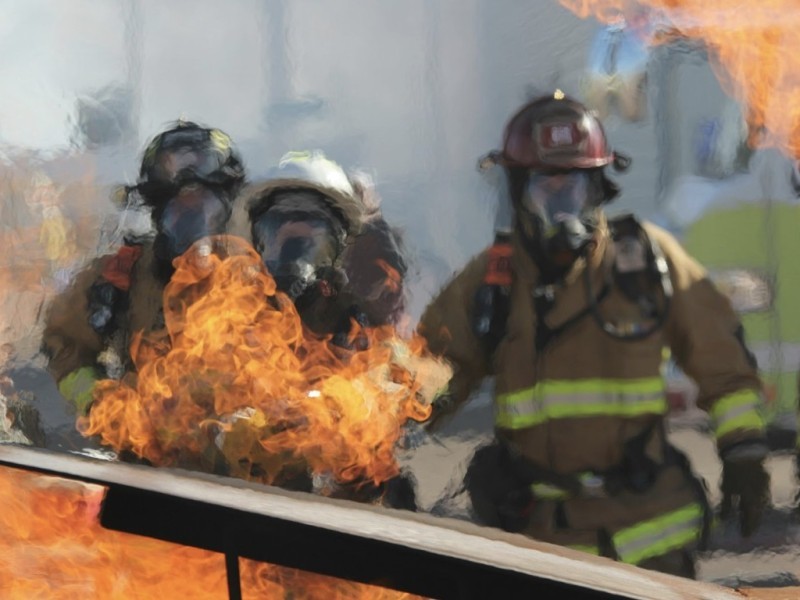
739	410
660	535
558	399
78	388
547	491
584	548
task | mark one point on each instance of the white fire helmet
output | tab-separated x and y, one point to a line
312	170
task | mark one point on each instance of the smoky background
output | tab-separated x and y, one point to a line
412	93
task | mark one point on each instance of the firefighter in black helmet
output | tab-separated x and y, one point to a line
188	179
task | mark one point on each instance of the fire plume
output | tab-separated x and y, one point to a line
54	547
754	46
235	379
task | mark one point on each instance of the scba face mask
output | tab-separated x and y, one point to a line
294	249
300	241
558	214
192	214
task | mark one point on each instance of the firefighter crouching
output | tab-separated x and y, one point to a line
572	314
189	177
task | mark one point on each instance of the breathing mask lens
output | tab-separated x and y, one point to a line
556	198
194	213
294	248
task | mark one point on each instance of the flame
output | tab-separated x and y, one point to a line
262	580
53	547
755	51
393	281
235	380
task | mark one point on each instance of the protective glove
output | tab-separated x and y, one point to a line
745	487
401	491
499	498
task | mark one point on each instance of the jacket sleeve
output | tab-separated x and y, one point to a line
706	338
68	339
447	327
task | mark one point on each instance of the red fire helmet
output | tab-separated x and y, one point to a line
555	132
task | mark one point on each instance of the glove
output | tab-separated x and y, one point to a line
745	487
499	498
401	492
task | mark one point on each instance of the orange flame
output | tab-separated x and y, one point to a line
235	380
393	281
53	547
755	50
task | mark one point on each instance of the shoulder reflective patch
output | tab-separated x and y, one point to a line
220	140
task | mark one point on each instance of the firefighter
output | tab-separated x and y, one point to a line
322	237
572	313
188	179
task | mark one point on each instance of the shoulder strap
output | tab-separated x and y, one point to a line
118	268
641	273
491	302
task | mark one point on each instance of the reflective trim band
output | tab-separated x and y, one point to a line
78	388
660	535
739	410
593	485
548	491
559	399
584	548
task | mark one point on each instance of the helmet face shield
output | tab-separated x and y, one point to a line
170	164
557	197
193	213
186	154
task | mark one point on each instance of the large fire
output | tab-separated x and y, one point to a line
235	380
755	47
53	547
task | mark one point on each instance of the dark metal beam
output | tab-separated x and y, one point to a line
314	549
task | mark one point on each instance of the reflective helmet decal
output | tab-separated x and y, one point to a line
555	133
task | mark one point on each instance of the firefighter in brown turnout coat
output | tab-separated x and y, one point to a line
189	178
573	315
